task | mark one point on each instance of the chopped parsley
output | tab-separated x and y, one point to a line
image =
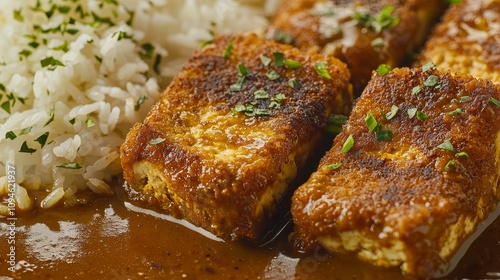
320	68
242	70
293	83
335	122
383	69
422	116
450	164
494	101
139	102
42	139
447	146
147	51
416	90
227	50
283	37
265	60
261	94
238	85
348	144
10	135
371	122
334	166
465	99
71	165
26	149
456	112
378	23
156	141
51	63
412	112
392	113
279	58
292	63
90	123
428	66
272	75
432	81
382	135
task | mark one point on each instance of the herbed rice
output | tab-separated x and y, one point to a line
76	75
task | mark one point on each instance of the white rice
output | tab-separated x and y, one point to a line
85	107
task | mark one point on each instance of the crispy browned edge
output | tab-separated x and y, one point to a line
451	48
412	194
204	82
416	20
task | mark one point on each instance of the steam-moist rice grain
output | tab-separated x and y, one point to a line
75	75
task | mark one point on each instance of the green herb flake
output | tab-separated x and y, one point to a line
121	35
10	135
449	165
51	63
242	70
25	53
51	118
462	154
383	69
454	2
72	31
71	165
72	121
447	146
26	130
432	81
348	144
283	37
428	66
334	166
64	47
261	94
335	122
90	123
18	16
26	149
266	61
371	122
206	43
147	51
382	135
42	139
422	116
64	9
34	45
378	23
227	50
238	85
392	113
272	75
412	112
456	112
156	64
378	43
416	90
139	102
156	141
293	83
292	64
2	87
494	102
279	58
465	99
320	68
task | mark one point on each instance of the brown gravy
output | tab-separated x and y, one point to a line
106	240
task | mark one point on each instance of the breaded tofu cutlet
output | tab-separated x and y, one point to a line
230	132
362	33
412	174
467	40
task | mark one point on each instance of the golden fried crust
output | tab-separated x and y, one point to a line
226	171
467	40
393	201
331	27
